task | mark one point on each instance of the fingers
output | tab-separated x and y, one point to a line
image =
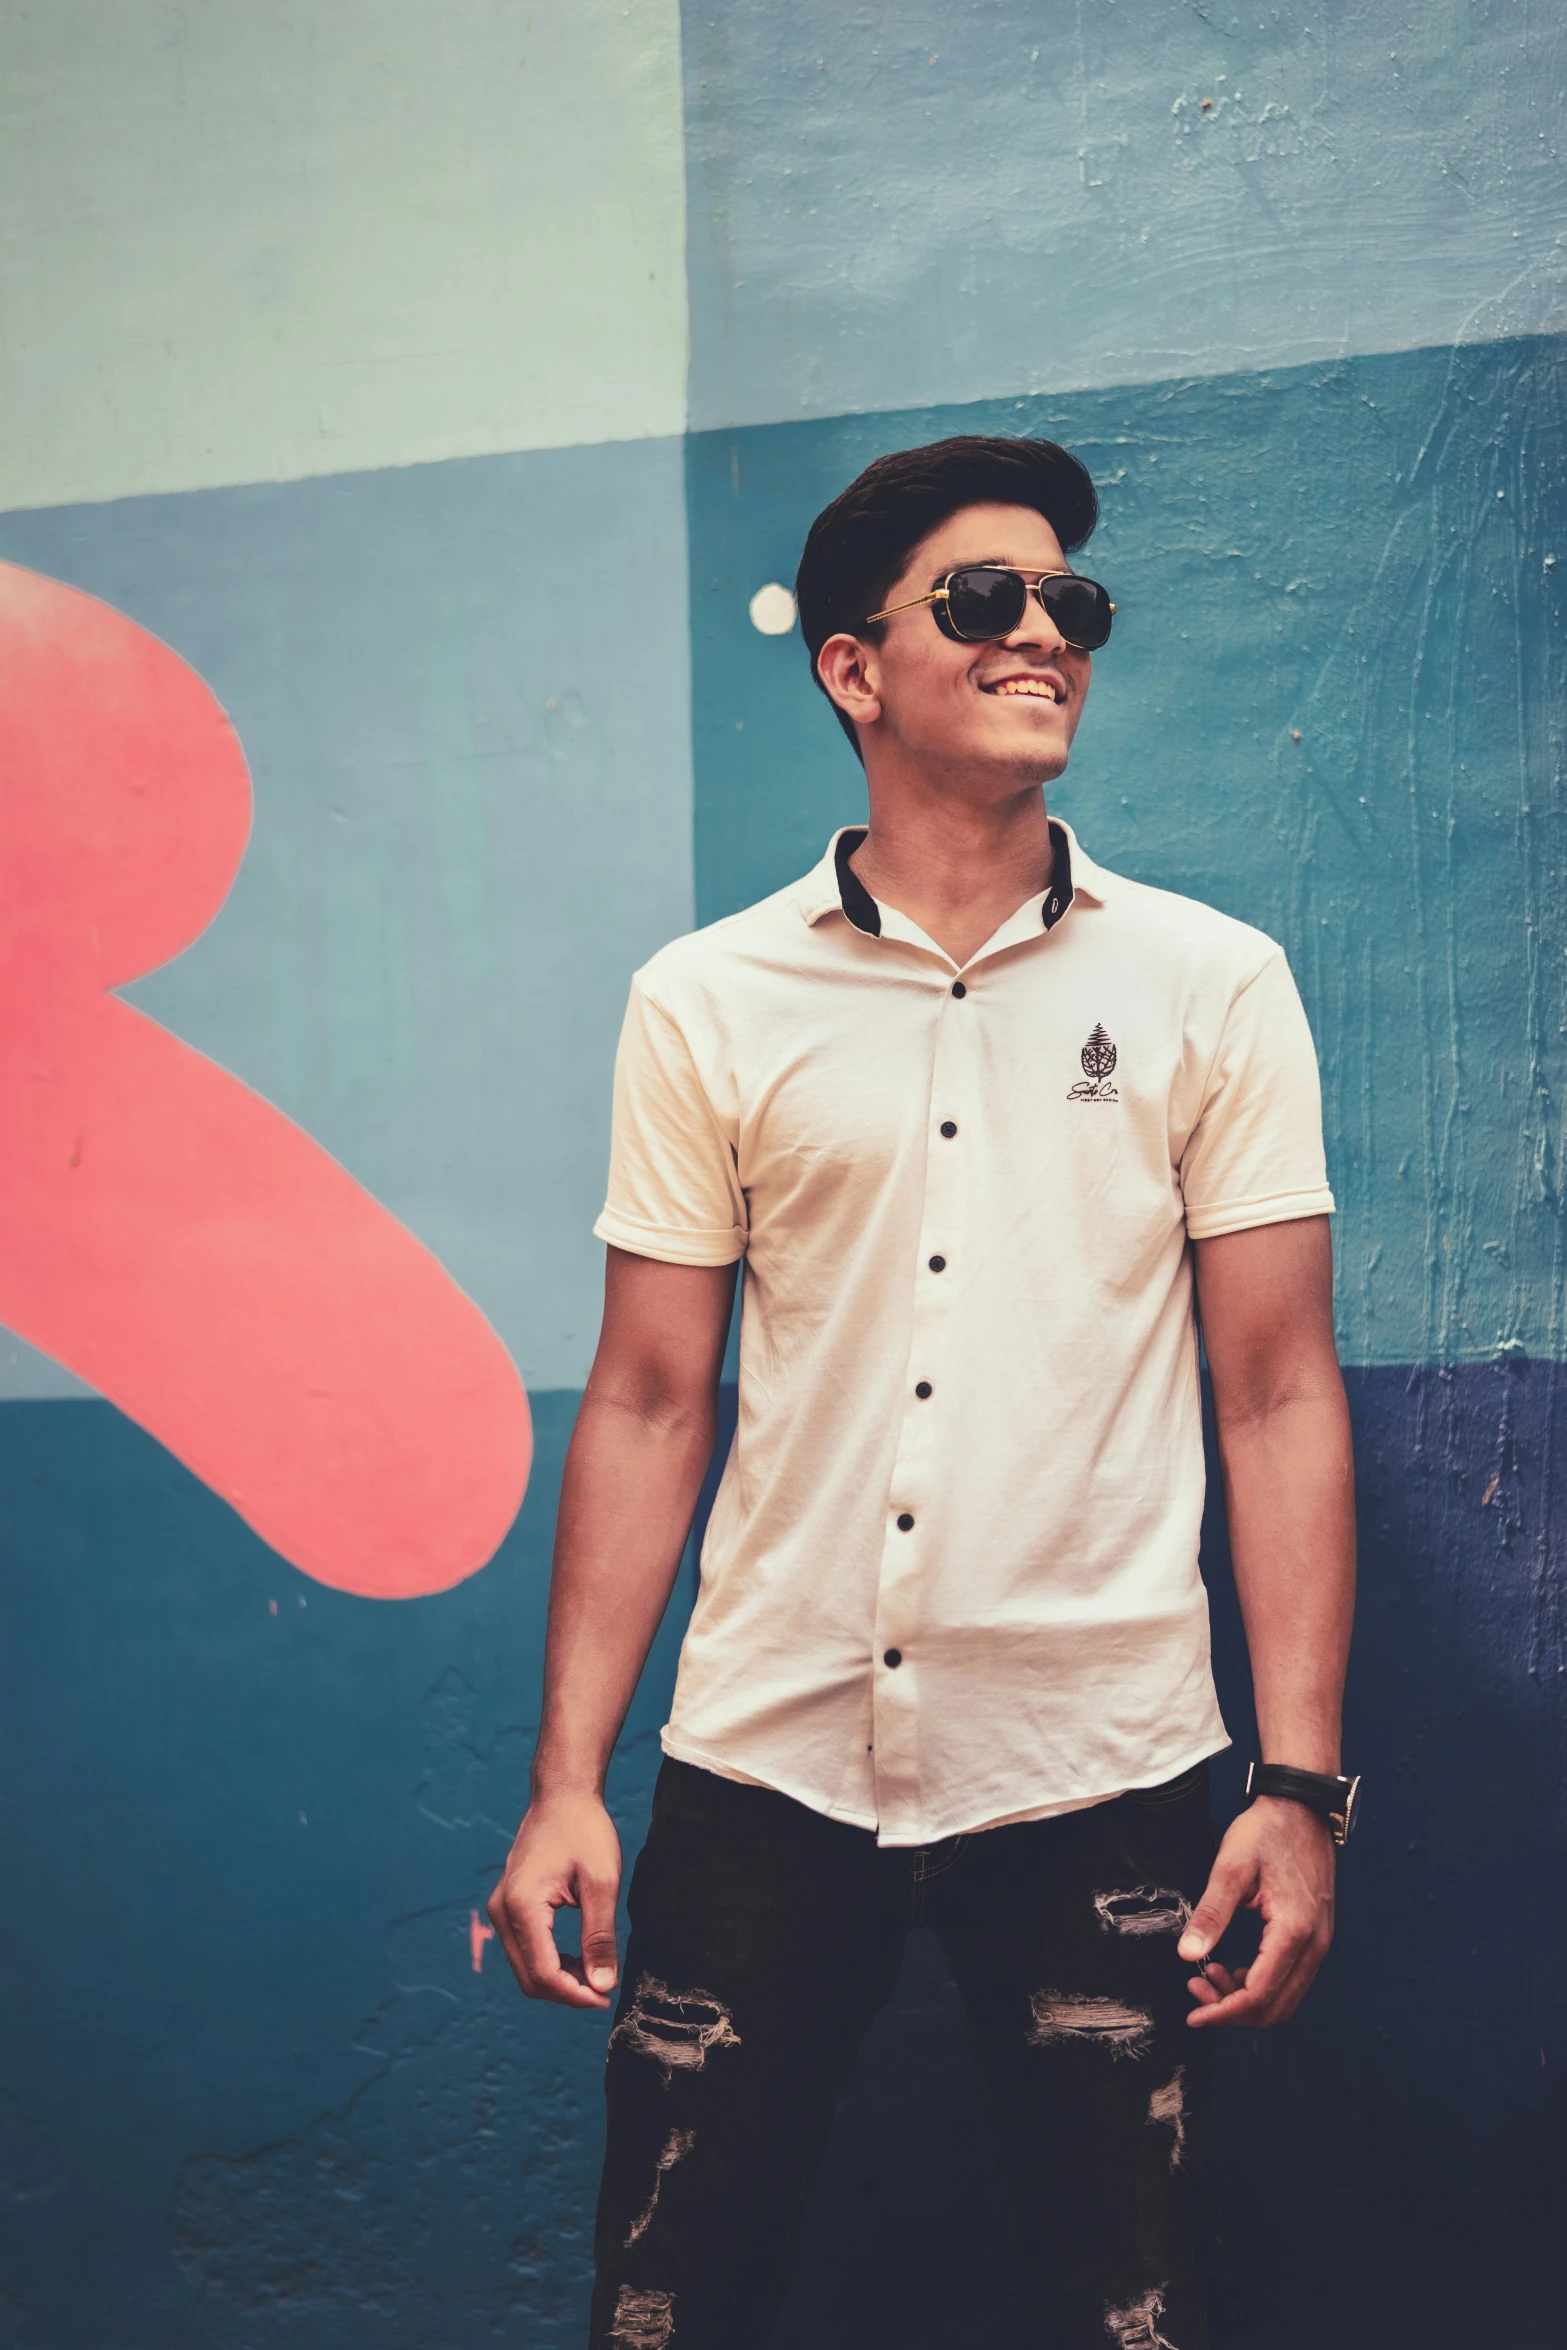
600	1958
1277	1859
525	1928
1232	1881
1273	1986
566	1856
1216	1984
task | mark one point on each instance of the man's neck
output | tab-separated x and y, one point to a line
955	870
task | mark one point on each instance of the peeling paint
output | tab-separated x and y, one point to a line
644	2319
1167	2107
1064	2016
1143	1909
675	2149
1136	2327
675	2029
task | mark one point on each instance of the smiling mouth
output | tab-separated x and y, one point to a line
1039	689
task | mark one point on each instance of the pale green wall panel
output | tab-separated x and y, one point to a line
253	243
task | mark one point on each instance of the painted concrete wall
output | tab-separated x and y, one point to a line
252	244
342	346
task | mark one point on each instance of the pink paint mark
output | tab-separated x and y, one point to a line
272	1604
166	1233
478	1934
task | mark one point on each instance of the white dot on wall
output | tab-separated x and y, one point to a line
772	610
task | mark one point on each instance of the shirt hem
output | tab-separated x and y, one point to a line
682	1750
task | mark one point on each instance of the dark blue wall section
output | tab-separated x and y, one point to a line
262	1837
1391	2163
1334	705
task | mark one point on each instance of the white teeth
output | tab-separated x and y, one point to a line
1039	687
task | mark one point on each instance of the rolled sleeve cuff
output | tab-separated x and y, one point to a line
723	1245
1246	1215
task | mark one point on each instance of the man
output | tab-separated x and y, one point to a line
974	1112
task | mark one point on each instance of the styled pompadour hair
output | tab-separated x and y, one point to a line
861	543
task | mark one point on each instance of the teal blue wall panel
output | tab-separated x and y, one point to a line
254	2090
1334	705
463	690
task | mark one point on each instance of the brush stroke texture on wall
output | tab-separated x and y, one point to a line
897	207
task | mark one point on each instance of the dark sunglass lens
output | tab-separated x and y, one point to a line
983	603
1080	609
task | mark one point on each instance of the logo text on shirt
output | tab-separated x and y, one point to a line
1098	1057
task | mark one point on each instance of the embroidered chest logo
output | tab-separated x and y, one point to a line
1098	1057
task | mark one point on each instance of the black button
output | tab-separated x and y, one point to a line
893	1657
938	1264
923	1389
905	1522
958	988
947	1128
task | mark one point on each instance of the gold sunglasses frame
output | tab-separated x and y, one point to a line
1031	587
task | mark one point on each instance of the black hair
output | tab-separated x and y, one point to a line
862	542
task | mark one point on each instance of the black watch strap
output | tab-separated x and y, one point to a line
1335	1800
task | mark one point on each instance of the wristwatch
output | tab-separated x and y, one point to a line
1335	1800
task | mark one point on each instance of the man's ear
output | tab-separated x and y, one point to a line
847	667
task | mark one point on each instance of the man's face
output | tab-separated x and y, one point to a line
1002	713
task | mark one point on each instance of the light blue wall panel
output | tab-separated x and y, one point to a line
1363	556
939	202
463	691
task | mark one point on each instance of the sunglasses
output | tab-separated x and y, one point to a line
983	601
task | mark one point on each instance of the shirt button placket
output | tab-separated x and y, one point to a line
919	1463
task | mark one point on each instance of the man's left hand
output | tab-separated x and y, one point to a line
1278	1859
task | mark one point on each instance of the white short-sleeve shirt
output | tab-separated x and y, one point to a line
950	1578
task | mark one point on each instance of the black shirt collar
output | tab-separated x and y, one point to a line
864	913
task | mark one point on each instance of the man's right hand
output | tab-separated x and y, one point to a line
566	1856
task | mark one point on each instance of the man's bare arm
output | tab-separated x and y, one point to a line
634	1468
1266	1300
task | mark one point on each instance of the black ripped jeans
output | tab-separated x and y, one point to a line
764	1939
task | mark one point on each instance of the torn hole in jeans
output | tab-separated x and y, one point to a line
643	2320
675	2029
1136	2327
676	2146
1060	2016
1167	2106
1143	1909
